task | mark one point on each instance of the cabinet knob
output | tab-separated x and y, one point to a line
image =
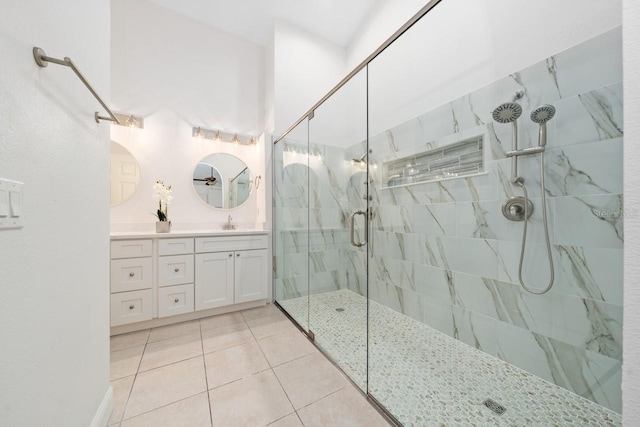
132	274
237	254
176	269
230	255
176	300
131	307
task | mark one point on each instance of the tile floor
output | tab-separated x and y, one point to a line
249	368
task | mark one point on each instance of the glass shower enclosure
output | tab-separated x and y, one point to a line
396	248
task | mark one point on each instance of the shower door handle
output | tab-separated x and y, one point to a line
352	232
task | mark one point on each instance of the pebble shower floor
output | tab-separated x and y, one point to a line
449	380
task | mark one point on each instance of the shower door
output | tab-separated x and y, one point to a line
291	223
338	208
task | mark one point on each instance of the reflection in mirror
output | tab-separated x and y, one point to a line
125	174
222	181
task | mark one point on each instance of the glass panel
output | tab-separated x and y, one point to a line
450	324
337	269
291	222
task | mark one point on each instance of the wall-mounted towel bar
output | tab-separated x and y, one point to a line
42	60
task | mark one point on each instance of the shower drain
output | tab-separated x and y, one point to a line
495	406
339	309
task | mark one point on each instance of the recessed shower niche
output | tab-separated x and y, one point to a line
453	160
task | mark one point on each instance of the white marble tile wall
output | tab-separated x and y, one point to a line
443	253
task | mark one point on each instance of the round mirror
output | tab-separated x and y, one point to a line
222	181
125	174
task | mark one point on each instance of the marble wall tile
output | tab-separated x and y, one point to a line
473	256
590	116
436	284
439	316
591	273
593	325
601	215
535	267
434	219
475	330
592	64
518	307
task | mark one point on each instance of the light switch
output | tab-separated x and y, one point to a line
11	212
4	203
16	204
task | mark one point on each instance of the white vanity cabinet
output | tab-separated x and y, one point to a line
162	279
225	276
131	281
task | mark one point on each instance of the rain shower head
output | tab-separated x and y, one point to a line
543	113
507	112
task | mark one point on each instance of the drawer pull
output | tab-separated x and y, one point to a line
230	255
131	307
176	300
176	269
237	254
132	274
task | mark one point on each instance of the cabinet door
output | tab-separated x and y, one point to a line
214	280
251	275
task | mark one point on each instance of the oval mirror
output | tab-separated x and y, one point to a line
125	174
222	181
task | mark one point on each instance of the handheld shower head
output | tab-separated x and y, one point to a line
507	112
542	115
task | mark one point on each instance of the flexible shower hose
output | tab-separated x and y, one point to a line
520	182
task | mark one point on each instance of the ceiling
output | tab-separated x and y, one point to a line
333	20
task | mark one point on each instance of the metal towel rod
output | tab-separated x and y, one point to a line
41	59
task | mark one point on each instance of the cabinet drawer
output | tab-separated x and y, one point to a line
130	274
130	248
230	243
130	307
175	270
174	300
175	246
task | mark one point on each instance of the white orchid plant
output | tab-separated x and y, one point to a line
162	193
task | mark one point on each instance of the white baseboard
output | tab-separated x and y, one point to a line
101	418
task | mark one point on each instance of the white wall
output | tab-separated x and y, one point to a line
306	67
631	328
177	73
54	310
386	17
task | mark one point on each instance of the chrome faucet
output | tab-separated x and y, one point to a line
228	225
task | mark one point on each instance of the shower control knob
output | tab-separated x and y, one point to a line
513	208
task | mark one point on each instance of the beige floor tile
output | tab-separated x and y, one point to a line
288	421
172	350
266	310
225	337
346	407
125	362
286	346
133	339
172	331
169	384
309	378
121	390
253	401
270	325
221	320
190	412
231	364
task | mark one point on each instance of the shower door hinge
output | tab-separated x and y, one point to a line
311	335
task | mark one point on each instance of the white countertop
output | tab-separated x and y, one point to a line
122	235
